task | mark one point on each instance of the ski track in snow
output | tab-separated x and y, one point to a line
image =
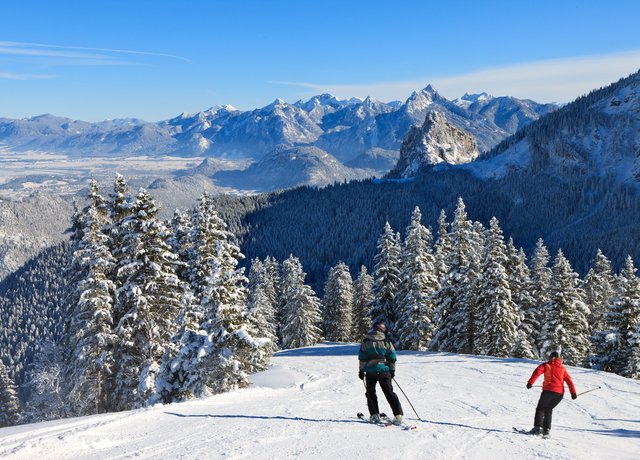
305	406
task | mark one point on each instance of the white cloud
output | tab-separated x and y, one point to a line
23	76
556	80
75	55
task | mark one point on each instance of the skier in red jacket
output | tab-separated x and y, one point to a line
555	376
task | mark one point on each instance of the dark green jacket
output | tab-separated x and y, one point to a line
377	354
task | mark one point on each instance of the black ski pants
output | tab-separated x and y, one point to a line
547	402
387	389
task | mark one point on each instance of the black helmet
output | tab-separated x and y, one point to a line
380	326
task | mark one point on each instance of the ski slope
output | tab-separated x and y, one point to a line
304	406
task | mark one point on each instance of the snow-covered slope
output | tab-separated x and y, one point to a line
304	406
286	167
596	135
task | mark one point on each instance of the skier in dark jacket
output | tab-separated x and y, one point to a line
378	364
555	376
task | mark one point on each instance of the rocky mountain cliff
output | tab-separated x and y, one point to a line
436	141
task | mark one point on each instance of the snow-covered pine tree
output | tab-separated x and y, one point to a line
273	291
442	246
120	210
9	403
565	326
520	284
91	336
216	358
180	241
386	280
452	294
419	281
599	289
262	315
362	299
301	308
454	302
152	296
498	313
468	321
618	341
629	328
46	385
540	279
337	304
99	204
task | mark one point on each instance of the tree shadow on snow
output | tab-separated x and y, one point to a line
620	432
615	420
326	349
266	417
462	425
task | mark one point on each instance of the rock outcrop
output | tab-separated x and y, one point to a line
436	141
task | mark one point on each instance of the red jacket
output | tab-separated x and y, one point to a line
554	376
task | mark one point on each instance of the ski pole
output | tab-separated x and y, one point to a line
405	395
589	391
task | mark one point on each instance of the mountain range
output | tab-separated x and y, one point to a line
570	177
349	130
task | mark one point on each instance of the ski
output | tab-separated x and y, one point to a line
404	426
365	419
527	432
521	431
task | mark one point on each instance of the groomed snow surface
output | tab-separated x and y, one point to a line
305	406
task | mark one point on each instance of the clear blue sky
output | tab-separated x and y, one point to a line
94	60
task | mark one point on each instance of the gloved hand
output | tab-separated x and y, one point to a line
393	374
574	396
361	375
528	386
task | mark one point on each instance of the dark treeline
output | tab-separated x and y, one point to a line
341	222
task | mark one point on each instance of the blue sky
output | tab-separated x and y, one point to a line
94	60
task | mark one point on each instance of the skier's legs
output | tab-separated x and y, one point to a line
392	398
548	400
554	400
372	398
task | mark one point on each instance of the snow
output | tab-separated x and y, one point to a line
518	157
304	406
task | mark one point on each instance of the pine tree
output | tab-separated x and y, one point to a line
599	289
180	241
262	314
338	304
498	316
540	279
419	281
301	308
46	385
9	404
565	328
386	280
120	210
362	298
443	246
520	285
218	356
454	303
273	291
618	341
151	297
91	338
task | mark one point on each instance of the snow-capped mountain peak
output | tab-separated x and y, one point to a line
468	99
